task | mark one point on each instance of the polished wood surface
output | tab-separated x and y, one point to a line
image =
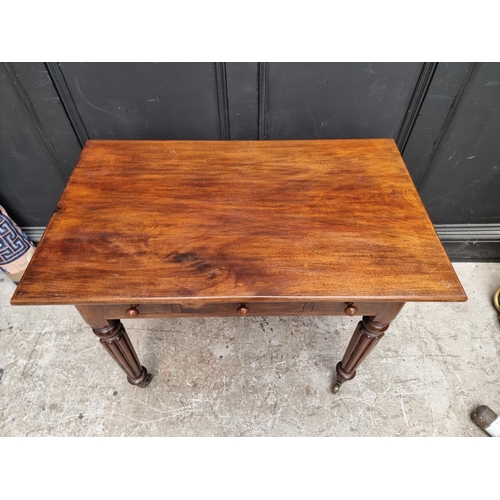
180	229
170	221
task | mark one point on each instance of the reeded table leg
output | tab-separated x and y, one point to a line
366	336
117	343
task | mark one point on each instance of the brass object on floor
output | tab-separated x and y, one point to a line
496	301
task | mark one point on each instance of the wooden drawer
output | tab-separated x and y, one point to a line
254	308
338	308
145	310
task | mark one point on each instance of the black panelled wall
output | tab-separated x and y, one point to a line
445	118
341	100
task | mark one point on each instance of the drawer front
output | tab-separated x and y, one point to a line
338	308
235	308
143	310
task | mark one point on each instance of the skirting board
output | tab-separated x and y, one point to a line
463	242
471	242
34	233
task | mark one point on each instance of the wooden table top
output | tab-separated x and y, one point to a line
164	221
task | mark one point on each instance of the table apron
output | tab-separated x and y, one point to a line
227	309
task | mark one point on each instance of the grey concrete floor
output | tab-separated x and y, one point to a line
254	376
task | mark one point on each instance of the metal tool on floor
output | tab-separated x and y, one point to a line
487	419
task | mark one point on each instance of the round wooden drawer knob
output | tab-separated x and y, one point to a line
351	309
132	312
243	310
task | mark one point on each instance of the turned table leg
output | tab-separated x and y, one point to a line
366	336
116	342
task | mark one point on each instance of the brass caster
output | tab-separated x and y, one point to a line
336	387
496	300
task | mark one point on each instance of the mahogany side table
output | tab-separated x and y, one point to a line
148	229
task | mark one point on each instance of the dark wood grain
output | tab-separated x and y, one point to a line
169	221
